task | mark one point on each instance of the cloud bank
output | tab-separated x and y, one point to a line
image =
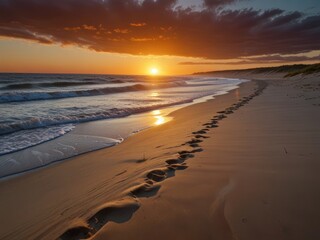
160	27
258	59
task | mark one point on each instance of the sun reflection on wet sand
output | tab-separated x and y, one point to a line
154	94
156	112
159	118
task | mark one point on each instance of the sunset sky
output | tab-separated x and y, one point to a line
176	37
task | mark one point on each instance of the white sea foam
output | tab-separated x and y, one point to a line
27	138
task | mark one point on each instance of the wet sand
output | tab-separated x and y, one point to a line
242	166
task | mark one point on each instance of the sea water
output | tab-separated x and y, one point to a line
41	108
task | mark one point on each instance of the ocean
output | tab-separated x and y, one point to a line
37	109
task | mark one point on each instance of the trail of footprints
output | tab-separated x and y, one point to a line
122	210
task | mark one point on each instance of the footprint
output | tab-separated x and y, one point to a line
213	126
200	132
220	117
147	189
200	136
183	152
194	145
157	175
194	141
229	112
185	156
174	161
119	212
197	150
177	166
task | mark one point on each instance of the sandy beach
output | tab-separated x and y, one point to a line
241	166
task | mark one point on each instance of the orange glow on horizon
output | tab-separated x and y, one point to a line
26	56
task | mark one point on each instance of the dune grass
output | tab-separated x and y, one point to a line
309	69
289	70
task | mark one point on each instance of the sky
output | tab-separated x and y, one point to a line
174	36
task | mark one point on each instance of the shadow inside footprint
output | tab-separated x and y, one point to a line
194	145
178	166
185	156
197	150
76	233
174	161
200	132
195	140
157	175
201	136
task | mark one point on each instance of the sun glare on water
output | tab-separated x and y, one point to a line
154	71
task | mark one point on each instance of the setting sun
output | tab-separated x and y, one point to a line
154	71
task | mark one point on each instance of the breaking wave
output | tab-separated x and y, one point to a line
48	95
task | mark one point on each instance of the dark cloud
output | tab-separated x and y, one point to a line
159	27
217	3
279	58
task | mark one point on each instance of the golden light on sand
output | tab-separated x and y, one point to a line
154	71
237	94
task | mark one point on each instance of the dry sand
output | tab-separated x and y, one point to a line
249	172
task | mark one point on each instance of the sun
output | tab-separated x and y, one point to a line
154	71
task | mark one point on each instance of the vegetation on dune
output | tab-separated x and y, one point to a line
290	70
308	69
281	69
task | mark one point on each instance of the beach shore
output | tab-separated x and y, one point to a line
242	166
